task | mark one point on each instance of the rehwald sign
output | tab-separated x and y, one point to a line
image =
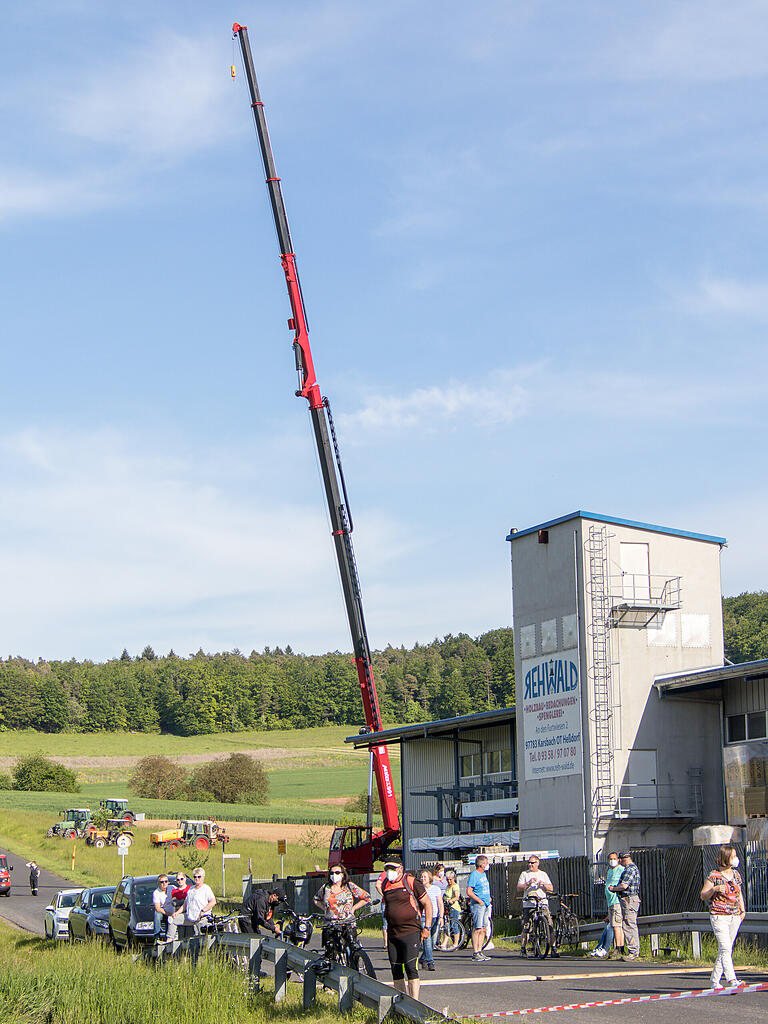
552	715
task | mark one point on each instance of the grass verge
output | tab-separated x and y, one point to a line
47	983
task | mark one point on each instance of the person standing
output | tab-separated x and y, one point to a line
438	913
452	905
479	895
34	877
722	890
404	897
162	901
628	891
199	902
534	885
339	898
612	931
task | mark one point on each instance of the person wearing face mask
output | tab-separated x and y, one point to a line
404	898
722	890
628	890
339	898
612	931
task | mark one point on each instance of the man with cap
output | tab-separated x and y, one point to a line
404	896
628	891
260	905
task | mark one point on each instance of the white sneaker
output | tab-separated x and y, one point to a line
601	953
490	945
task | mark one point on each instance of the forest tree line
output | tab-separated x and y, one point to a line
277	689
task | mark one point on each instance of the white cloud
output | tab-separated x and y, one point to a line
692	40
727	296
510	395
25	193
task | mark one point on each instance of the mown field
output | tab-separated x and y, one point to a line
312	772
56	983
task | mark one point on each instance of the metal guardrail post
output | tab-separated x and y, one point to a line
696	945
346	995
309	989
384	1006
281	973
254	963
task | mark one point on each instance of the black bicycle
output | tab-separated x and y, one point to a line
566	923
537	929
341	945
458	933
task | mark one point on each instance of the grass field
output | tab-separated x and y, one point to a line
55	983
139	744
24	833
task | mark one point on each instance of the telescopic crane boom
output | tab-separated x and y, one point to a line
355	847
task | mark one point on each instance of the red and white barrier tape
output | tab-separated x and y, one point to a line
693	994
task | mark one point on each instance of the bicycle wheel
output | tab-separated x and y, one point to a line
464	935
360	961
488	933
571	930
540	938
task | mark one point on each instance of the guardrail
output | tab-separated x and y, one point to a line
670	924
351	986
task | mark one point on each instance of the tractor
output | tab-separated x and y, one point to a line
118	809
107	836
76	820
200	834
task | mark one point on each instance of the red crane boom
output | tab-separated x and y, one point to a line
356	847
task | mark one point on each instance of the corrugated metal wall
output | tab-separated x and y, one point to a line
745	695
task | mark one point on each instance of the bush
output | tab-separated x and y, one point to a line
238	778
6	782
359	803
158	777
38	774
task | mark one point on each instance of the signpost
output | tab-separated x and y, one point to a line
282	846
123	846
224	858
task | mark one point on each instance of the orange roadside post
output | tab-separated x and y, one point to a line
73	856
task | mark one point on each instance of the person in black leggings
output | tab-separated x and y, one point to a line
404	896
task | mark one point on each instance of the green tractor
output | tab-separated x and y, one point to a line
118	809
76	820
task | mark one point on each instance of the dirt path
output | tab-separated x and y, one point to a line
267	831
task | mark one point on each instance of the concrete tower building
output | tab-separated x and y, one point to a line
603	606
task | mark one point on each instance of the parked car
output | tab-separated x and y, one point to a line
57	914
132	915
89	916
5	876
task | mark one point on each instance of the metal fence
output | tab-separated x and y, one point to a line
671	880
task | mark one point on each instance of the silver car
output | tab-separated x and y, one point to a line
57	914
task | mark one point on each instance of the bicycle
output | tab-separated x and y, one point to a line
463	928
566	923
537	928
341	945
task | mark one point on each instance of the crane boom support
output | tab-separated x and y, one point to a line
330	464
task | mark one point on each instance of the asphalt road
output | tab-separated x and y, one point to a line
21	907
508	982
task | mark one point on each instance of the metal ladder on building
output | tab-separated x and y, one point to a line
601	714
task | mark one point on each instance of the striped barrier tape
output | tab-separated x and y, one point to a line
692	994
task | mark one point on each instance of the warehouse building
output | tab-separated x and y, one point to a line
627	724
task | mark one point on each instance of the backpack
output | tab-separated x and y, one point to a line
403	883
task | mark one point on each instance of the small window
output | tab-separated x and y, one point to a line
506	760
470	766
492	761
737	728
756	725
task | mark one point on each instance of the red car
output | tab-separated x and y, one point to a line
5	876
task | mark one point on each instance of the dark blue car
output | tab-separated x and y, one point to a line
89	918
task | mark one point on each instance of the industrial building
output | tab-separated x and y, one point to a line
628	730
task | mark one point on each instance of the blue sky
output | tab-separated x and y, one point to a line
532	239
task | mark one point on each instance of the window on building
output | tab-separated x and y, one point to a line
506	760
469	766
756	725
492	761
736	728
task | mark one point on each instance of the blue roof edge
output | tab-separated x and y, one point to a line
513	535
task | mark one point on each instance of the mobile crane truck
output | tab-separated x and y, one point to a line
357	847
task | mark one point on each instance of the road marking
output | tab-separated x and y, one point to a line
568	977
692	994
